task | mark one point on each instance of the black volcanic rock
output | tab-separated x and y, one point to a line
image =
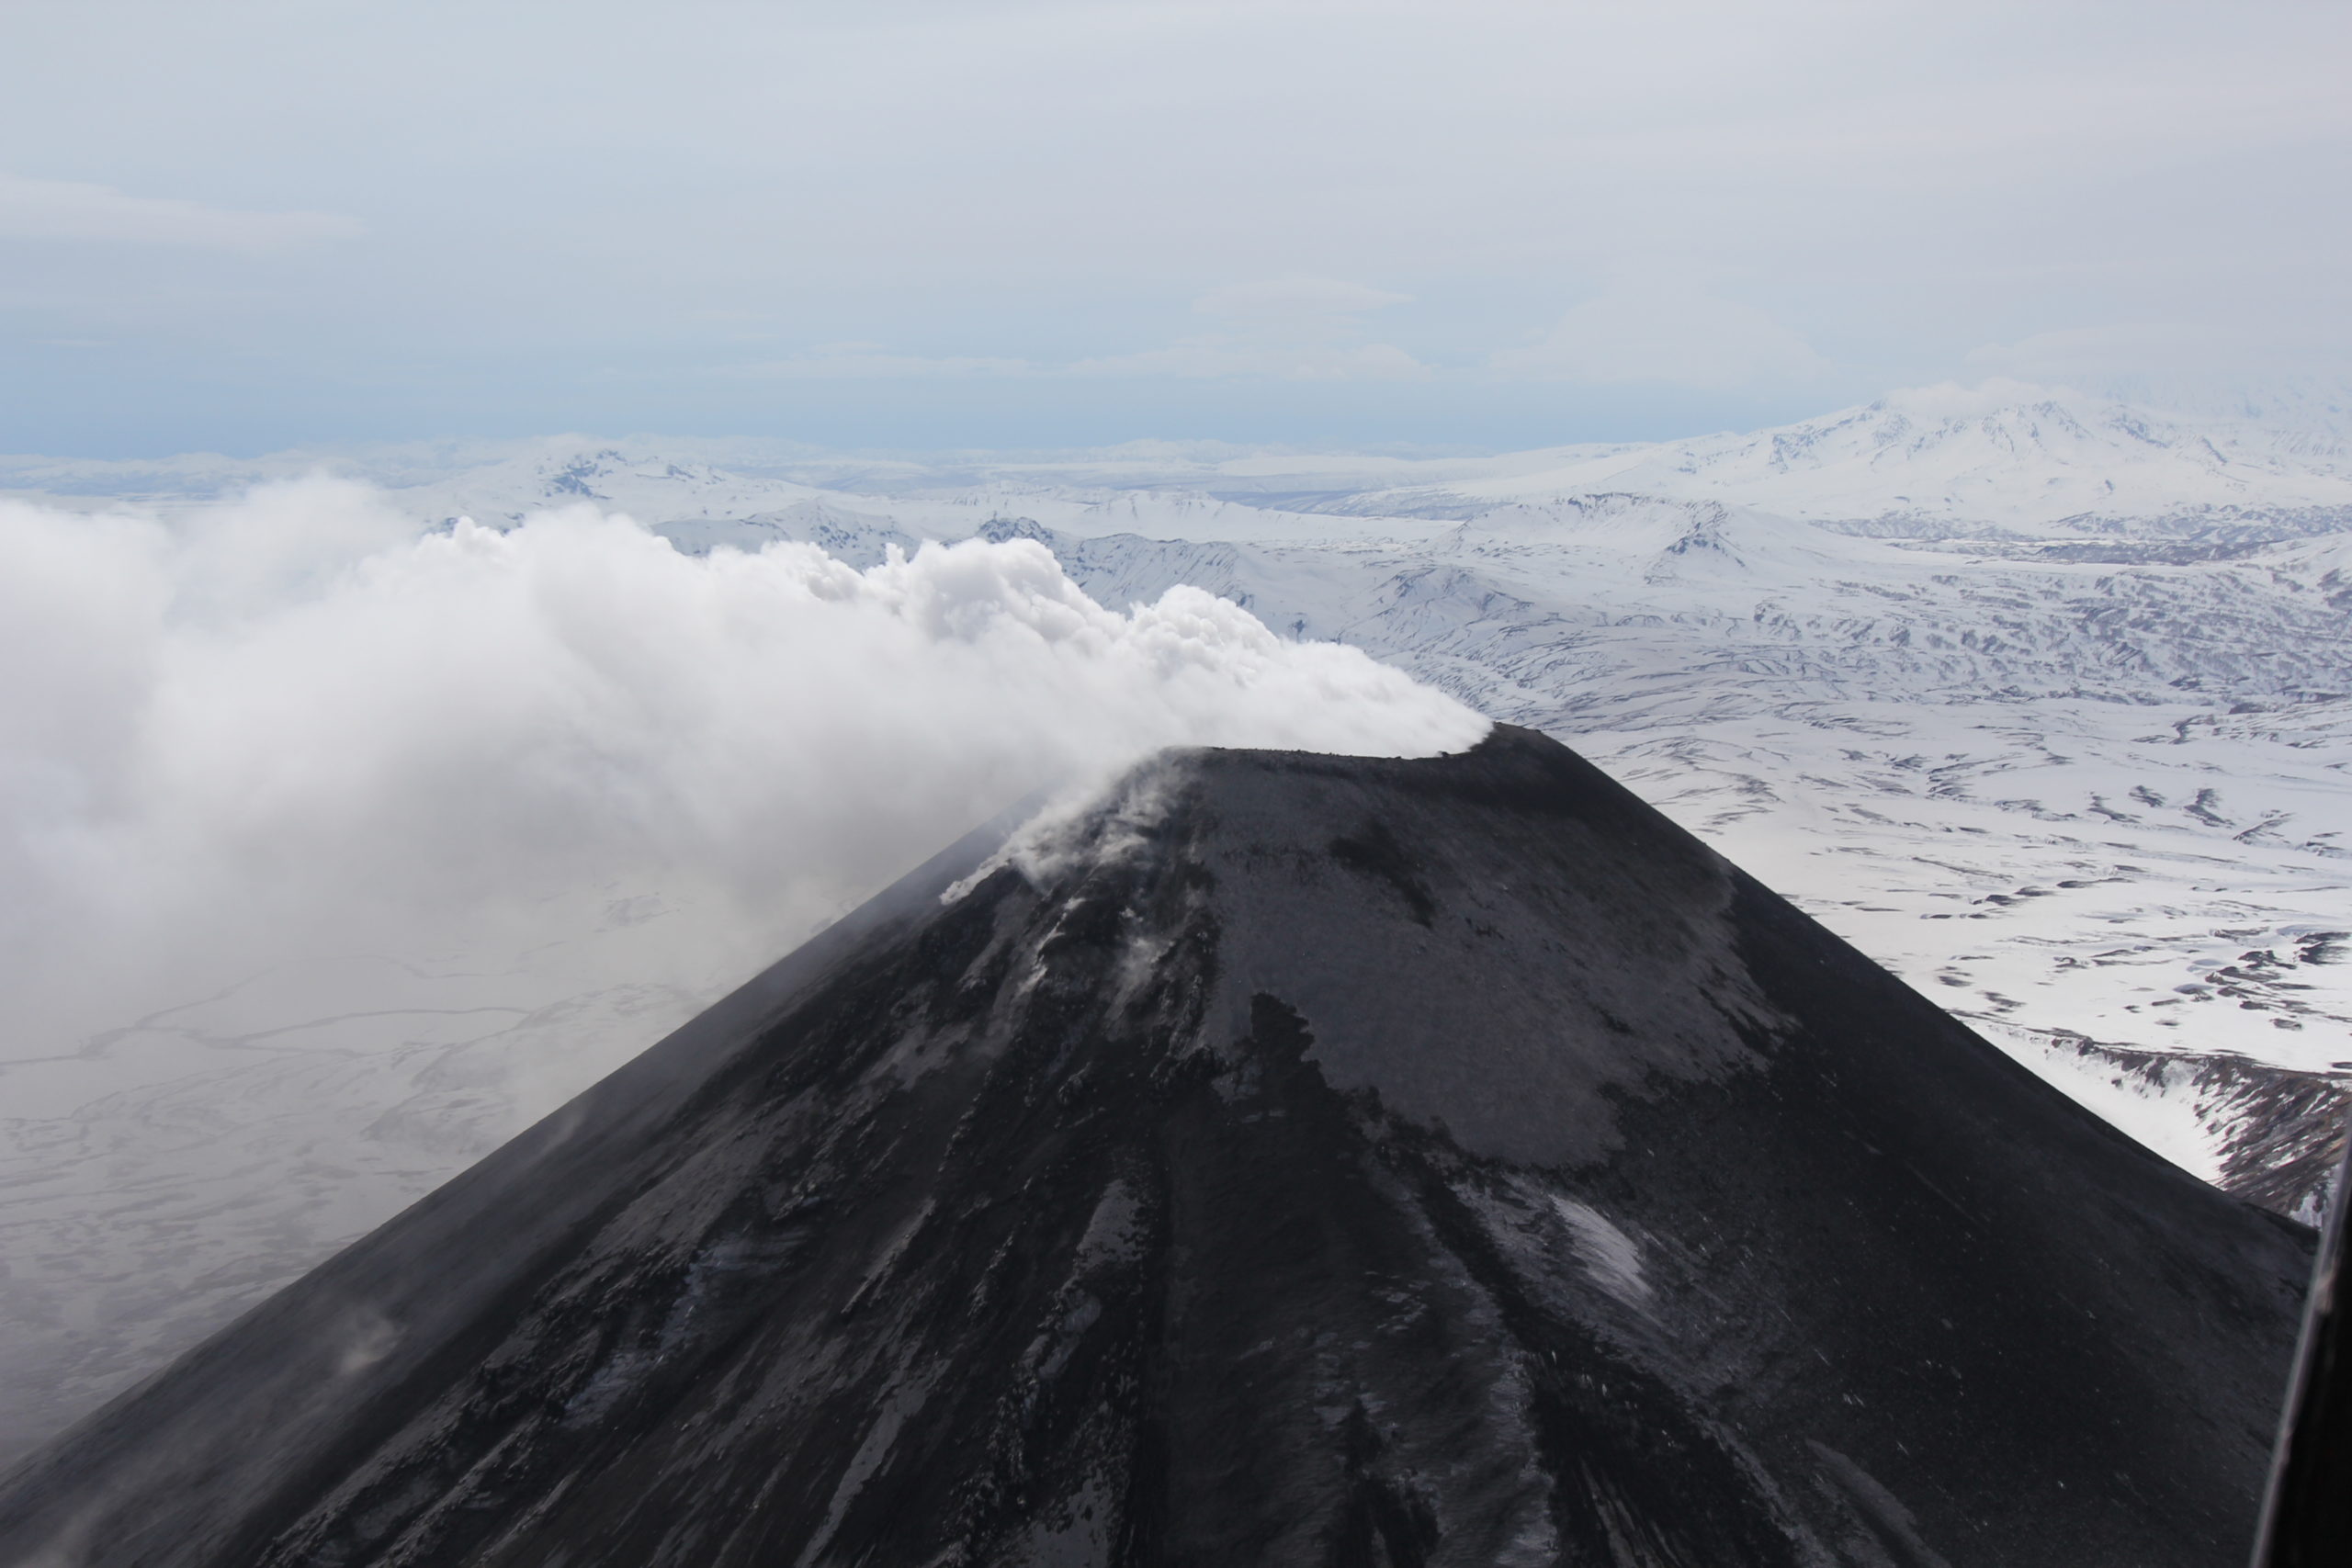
1323	1161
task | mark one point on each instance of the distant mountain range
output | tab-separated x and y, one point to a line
1935	462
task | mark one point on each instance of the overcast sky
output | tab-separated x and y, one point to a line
248	226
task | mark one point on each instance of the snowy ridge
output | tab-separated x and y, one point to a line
1939	462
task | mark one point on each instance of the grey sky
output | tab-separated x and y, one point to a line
254	225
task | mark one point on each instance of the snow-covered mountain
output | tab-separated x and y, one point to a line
2000	460
1943	460
1933	462
2044	702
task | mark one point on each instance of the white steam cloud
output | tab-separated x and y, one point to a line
287	729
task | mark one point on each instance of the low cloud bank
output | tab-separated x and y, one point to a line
287	729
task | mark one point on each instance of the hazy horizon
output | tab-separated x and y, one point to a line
2305	405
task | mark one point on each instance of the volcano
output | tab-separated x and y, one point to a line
1299	1159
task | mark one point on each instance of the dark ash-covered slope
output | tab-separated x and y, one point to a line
1324	1161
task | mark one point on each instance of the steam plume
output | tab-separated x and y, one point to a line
287	728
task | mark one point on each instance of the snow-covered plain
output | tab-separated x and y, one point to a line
2044	702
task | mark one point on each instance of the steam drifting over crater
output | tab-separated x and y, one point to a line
286	727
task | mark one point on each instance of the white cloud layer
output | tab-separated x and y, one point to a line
1296	298
874	362
1240	353
2097	353
1290	329
68	210
286	728
570	208
1668	337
